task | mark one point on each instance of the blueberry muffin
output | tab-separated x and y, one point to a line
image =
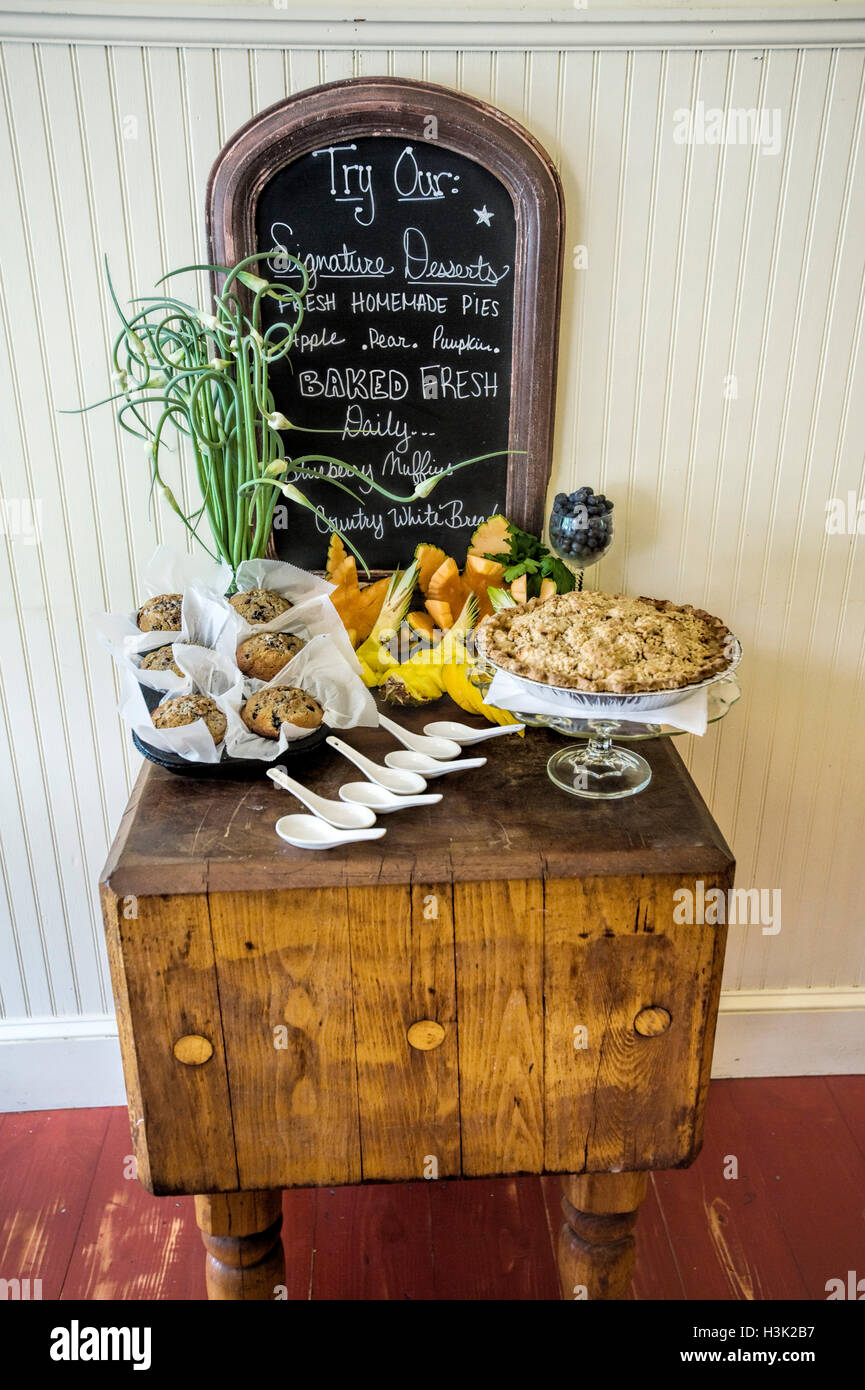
266	712
259	605
160	614
185	709
162	659
265	653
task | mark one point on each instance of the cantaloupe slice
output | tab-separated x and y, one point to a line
336	553
478	564
357	607
446	585
345	574
479	574
491	537
445	580
518	588
367	606
428	557
441	613
446	593
421	622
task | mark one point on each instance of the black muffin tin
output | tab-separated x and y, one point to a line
298	752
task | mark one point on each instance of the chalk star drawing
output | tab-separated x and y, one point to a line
483	216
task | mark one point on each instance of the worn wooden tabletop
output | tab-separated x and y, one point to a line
503	821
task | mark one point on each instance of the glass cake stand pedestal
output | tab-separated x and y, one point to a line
599	768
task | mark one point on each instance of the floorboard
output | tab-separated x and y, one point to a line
730	1242
373	1243
49	1161
848	1093
131	1245
814	1175
73	1215
491	1240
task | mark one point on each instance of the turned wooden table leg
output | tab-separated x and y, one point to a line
597	1250
241	1234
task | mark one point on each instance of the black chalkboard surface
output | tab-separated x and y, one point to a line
405	346
433	226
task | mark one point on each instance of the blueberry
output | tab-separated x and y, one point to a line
599	497
561	500
581	494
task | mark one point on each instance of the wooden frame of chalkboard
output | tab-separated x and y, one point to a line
374	106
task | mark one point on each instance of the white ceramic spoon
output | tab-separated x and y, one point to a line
464	734
334	812
420	743
381	800
404	783
419	762
310	832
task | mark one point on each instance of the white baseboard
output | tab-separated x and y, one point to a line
73	1063
60	1063
786	1032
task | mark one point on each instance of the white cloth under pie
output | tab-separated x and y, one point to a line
690	713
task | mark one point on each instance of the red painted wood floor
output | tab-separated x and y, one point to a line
791	1220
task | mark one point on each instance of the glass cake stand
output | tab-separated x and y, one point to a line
600	769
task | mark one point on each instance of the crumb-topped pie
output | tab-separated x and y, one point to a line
607	643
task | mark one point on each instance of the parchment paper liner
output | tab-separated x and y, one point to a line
319	669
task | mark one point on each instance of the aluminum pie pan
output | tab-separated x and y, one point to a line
646	700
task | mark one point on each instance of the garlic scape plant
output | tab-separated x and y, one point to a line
206	377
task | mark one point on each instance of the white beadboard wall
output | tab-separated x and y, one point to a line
711	381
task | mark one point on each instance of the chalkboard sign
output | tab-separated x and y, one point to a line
405	345
431	228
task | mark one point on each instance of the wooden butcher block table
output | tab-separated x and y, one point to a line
497	986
